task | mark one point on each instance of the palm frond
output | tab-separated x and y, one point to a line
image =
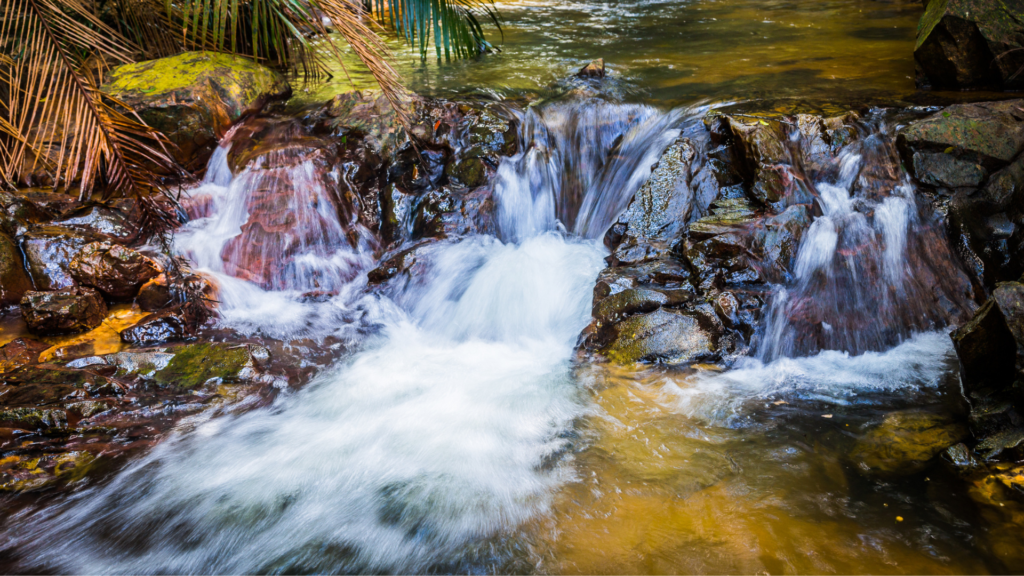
454	25
54	109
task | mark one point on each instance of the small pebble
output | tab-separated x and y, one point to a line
826	415
899	518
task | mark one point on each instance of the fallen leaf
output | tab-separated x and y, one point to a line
780	402
826	415
899	518
949	150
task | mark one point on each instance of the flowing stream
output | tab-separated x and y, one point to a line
461	435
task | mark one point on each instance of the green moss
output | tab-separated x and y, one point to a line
195	364
237	78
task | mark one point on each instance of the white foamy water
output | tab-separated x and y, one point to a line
831	376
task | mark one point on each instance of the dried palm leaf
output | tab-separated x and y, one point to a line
54	110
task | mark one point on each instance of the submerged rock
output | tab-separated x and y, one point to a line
113	269
666	336
63	311
197	364
195	97
20	352
905	442
970	44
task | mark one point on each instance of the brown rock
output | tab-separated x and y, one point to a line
113	269
49	251
20	352
167	326
154	294
63	311
593	70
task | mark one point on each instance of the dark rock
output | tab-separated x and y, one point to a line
987	226
447	212
17	213
594	69
971	44
727	215
991	351
51	203
777	239
761	149
941	169
49	251
169	325
63	311
155	294
14	281
113	269
195	97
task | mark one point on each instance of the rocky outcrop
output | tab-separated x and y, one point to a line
971	154
63	311
195	97
970	44
96	409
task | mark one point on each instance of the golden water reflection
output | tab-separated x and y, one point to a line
659	492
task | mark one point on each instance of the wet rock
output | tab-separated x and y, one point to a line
635	301
905	441
27	473
970	44
666	336
98	220
594	69
960	457
761	149
50	202
727	215
63	311
195	97
447	212
823	138
987	226
20	352
49	251
14	281
941	169
989	134
994	445
17	213
777	239
169	325
155	294
990	345
660	209
113	269
196	364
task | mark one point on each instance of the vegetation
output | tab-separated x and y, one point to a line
58	128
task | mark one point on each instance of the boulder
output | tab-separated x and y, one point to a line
761	149
49	251
155	294
113	269
971	44
14	281
991	348
666	336
195	97
990	134
777	239
17	213
64	311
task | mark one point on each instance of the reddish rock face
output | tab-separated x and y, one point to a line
20	352
63	311
113	269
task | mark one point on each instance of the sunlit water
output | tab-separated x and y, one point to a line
681	51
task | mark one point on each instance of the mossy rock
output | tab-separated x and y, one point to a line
971	44
196	364
990	134
195	97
